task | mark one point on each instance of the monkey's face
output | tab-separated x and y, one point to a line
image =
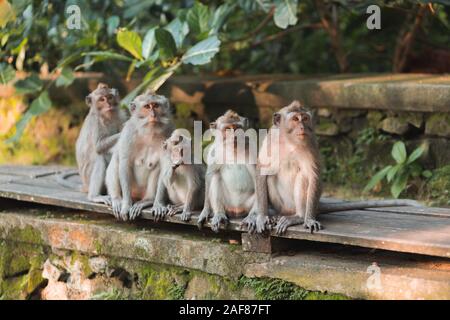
299	125
178	146
230	126
104	100
151	109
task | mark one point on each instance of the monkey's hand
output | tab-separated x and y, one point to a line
217	220
116	204
285	222
137	208
102	199
159	212
124	210
312	225
186	215
203	217
255	223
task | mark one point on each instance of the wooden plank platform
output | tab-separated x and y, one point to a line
406	229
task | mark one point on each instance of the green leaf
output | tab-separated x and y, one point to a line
179	30
166	43
39	105
399	152
130	41
29	85
198	18
427	174
377	178
285	13
149	43
7	73
65	78
416	154
399	185
107	55
202	52
142	86
255	5
391	173
220	16
112	24
6	13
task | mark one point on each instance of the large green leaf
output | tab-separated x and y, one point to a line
399	152
7	73
149	43
29	85
392	172
285	13
65	78
202	52
198	18
39	105
399	184
416	154
254	5
166	43
179	30
130	41
377	178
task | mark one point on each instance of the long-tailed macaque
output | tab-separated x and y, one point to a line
99	133
292	188
180	182
133	172
230	184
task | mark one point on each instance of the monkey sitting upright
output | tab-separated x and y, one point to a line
230	184
181	181
134	168
99	133
293	187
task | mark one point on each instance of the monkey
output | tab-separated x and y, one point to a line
134	168
293	187
229	185
99	133
181	181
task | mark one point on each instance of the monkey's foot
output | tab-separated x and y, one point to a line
217	220
116	205
102	199
186	215
137	208
312	225
203	217
124	210
159	212
256	223
173	210
284	222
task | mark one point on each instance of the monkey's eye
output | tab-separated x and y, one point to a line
295	118
147	106
155	105
102	99
305	118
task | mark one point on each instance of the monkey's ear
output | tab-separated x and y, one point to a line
213	125
132	107
164	145
246	123
276	119
88	100
295	104
114	92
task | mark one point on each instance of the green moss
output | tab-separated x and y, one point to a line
438	187
27	235
277	289
84	261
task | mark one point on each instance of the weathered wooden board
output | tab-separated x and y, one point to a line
405	229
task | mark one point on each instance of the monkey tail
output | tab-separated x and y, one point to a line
62	179
342	206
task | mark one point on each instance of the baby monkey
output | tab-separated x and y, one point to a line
132	175
180	182
99	133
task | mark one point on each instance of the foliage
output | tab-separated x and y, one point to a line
398	175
